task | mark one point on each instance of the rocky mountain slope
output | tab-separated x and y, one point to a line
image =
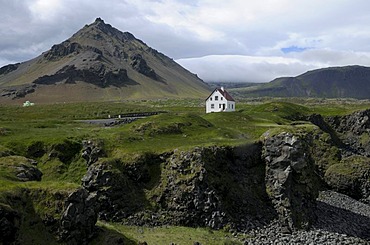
333	82
303	186
98	63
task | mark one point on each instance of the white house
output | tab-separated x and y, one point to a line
27	103
220	100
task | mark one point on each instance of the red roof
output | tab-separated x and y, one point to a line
224	93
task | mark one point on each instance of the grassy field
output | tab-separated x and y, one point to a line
36	132
172	234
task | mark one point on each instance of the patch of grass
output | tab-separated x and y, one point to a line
351	167
365	139
173	234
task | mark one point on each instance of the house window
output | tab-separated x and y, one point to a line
222	98
212	106
210	99
216	97
232	106
219	106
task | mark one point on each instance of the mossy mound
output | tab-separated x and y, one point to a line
350	176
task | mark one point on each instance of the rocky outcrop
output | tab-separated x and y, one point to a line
78	220
97	74
291	181
21	168
213	186
8	68
354	130
357	122
9	225
27	173
140	65
351	177
117	196
60	50
343	160
188	196
18	91
91	151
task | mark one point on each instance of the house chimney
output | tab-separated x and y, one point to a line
222	88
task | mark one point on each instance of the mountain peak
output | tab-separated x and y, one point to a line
99	26
99	20
100	57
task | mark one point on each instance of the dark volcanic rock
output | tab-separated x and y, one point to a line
60	50
9	225
357	122
18	91
91	151
27	173
291	181
351	177
8	68
140	65
214	187
354	130
78	220
98	75
117	195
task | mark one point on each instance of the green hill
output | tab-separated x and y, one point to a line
333	82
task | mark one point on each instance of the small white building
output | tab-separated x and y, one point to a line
219	101
27	103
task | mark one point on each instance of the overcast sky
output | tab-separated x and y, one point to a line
233	40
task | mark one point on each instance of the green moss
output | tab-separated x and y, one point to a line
365	139
352	167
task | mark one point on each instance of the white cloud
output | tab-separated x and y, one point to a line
251	34
45	9
237	68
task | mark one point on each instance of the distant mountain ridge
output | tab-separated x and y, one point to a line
99	63
332	82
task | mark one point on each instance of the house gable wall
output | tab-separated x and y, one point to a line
216	102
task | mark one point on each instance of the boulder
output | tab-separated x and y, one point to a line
77	224
291	181
27	173
117	195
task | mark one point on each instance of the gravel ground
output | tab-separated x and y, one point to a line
340	220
